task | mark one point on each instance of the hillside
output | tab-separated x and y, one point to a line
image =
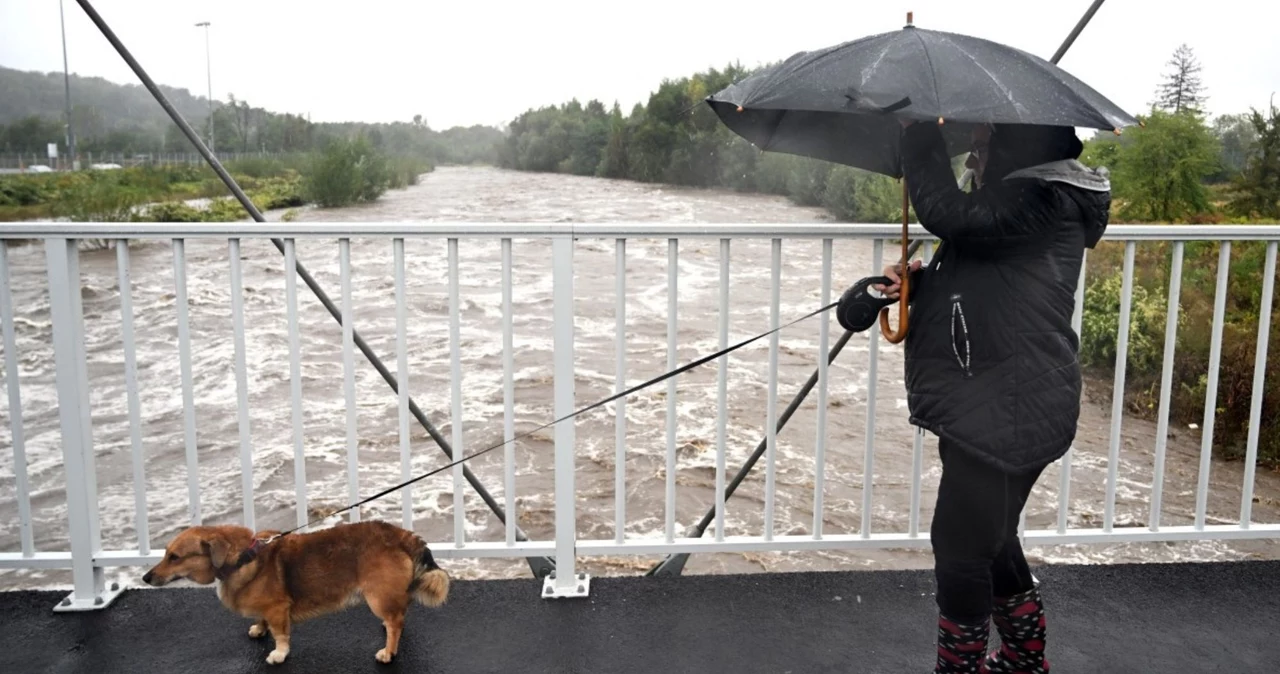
97	103
124	118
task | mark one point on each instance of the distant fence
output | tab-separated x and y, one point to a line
24	160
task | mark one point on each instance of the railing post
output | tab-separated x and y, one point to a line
66	310
564	581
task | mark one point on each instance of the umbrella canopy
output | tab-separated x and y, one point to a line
843	103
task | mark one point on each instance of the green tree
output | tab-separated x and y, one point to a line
613	160
1258	187
1182	89
31	134
241	116
807	183
1237	136
1160	172
1103	150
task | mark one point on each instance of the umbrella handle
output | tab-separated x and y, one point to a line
895	337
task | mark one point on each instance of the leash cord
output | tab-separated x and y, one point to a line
684	368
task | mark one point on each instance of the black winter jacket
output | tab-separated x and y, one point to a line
991	356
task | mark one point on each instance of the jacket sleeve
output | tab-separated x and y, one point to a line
916	281
1000	216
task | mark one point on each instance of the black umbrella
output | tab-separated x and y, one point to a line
843	103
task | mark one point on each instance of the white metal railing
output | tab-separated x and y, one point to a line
82	549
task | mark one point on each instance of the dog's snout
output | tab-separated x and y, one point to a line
147	577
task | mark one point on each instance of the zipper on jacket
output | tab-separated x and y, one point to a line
960	335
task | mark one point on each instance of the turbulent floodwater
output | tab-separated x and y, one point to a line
482	194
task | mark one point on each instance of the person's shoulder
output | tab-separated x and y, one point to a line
1023	188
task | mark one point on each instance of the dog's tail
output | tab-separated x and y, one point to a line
430	585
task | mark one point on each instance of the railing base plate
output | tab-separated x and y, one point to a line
70	604
579	590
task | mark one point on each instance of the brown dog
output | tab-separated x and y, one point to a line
303	576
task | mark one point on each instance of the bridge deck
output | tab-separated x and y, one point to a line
1116	619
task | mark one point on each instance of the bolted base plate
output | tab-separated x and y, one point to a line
70	604
579	589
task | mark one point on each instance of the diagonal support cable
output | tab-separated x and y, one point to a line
540	566
673	565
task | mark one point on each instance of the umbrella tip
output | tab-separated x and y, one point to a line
910	18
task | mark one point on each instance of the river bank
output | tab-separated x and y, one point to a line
345	173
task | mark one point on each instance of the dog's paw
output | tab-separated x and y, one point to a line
383	656
276	657
257	631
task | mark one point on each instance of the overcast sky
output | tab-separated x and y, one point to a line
473	61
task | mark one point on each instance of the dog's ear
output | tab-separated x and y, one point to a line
217	549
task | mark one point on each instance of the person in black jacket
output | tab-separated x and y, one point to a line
991	365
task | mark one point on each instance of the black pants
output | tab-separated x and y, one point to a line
976	551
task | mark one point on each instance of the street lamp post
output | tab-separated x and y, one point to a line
66	80
209	75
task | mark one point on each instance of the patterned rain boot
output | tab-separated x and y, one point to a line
961	647
1020	622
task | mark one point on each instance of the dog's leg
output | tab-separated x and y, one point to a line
258	630
278	622
391	609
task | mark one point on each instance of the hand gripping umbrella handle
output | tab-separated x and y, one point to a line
907	252
895	337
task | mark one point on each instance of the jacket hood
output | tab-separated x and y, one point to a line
1014	147
1089	189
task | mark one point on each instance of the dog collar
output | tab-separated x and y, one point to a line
248	555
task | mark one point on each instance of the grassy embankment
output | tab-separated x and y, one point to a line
346	172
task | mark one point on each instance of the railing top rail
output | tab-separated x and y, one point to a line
78	230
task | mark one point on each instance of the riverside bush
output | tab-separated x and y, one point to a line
346	172
1189	383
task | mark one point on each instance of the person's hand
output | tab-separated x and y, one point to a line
906	122
894	273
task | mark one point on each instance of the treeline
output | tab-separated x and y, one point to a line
1178	168
109	117
676	139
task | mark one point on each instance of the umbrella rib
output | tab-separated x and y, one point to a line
933	73
1055	71
774	131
